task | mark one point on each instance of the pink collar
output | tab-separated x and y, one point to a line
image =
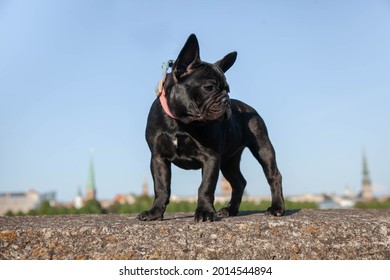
163	97
164	103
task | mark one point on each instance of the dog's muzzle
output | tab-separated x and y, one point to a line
215	108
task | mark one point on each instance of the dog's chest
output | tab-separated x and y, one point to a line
182	149
185	146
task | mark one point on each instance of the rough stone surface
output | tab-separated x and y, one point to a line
301	234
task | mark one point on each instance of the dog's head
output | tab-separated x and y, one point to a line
197	91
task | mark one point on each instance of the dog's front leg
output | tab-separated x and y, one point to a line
205	209
161	173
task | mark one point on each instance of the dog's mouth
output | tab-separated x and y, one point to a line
215	108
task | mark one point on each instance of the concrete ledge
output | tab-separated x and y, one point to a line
301	234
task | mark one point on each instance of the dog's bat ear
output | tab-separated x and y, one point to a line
227	62
187	59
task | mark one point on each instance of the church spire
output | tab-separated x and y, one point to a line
367	193
145	187
366	174
91	187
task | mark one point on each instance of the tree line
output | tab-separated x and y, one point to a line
143	203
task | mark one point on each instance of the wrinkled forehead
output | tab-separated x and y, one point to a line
211	71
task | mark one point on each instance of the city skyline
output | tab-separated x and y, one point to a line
76	74
365	191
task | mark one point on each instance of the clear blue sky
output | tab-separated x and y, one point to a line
81	74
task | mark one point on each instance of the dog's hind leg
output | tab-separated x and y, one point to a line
262	149
231	171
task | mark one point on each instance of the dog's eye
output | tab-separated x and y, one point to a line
208	88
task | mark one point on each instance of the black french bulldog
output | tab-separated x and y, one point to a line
195	125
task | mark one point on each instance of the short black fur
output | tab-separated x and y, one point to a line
209	132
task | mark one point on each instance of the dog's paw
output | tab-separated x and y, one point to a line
202	215
275	211
227	212
150	216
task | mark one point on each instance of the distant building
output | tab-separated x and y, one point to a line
24	201
78	200
367	189
308	197
90	190
349	197
349	193
91	186
226	188
124	198
145	187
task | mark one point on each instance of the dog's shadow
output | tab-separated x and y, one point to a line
286	213
240	214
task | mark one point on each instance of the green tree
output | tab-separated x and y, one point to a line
45	208
373	204
9	213
32	212
92	207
